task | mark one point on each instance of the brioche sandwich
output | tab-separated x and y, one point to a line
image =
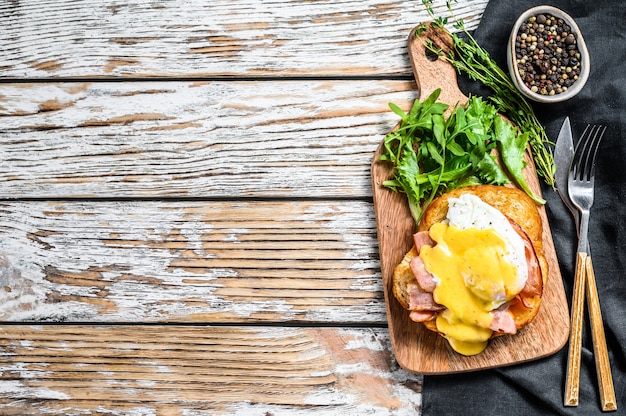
477	268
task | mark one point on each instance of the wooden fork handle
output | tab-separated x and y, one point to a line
603	366
572	382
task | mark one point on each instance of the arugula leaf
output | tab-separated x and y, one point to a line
433	154
468	57
489	171
512	147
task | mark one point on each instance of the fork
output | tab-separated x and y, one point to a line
581	188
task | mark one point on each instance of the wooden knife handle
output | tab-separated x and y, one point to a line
572	383
603	366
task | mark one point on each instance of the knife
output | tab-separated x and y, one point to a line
563	154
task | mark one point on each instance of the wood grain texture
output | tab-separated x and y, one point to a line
217	176
194	139
220	38
572	382
219	261
415	347
150	370
606	389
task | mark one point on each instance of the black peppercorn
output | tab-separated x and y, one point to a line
547	54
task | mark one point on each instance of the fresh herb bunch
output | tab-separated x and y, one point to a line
432	154
469	57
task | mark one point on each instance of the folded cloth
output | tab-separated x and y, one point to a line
538	387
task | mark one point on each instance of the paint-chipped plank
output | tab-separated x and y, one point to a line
223	38
187	261
194	139
126	370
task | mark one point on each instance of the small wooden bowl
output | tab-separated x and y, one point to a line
582	48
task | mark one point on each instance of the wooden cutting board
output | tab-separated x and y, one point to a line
416	348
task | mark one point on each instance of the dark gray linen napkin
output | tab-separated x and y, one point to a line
537	387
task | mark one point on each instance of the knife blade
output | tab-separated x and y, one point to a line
563	154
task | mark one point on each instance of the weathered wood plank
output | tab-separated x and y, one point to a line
123	370
186	261
219	38
194	139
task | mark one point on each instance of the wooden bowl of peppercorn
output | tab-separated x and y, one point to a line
547	56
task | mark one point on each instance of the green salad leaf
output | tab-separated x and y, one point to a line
469	58
512	146
432	154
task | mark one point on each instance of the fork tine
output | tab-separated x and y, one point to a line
586	151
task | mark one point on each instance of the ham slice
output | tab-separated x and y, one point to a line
425	279
422	306
422	316
422	238
534	282
503	322
420	300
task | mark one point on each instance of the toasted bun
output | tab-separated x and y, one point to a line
403	277
518	208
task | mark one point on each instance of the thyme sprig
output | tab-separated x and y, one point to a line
468	57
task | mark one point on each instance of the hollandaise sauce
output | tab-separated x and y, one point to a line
475	274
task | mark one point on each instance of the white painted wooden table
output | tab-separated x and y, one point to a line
186	224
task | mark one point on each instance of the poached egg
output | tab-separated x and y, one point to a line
478	263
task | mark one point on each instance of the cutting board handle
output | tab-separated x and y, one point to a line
432	71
